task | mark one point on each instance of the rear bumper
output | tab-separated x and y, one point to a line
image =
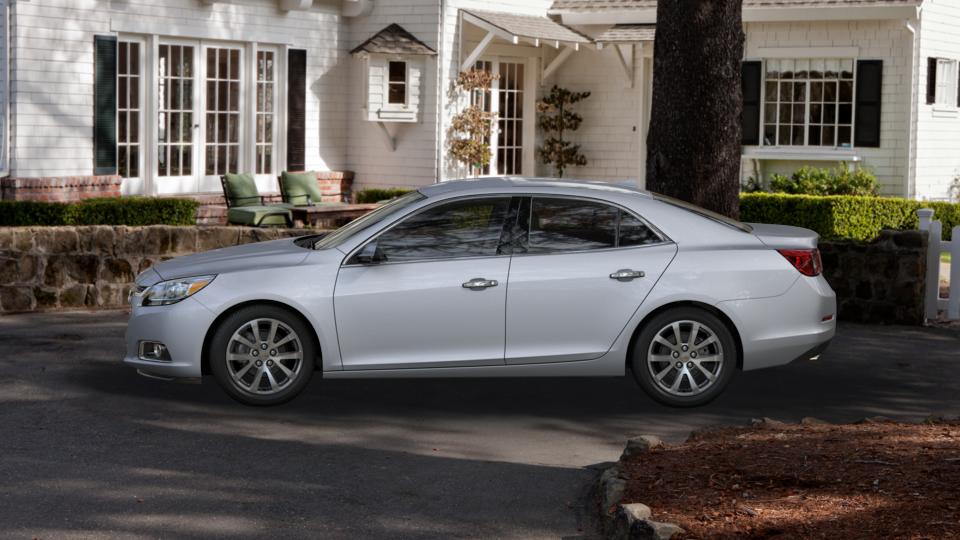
778	330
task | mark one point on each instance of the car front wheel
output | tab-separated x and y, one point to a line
684	357
262	355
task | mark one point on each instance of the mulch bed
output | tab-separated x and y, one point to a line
870	480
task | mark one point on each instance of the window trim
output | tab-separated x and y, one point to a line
806	105
664	239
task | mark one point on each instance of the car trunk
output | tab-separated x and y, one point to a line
785	236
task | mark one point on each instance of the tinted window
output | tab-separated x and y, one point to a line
571	225
469	228
634	232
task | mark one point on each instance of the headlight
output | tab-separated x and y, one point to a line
175	290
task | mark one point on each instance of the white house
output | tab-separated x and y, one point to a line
163	97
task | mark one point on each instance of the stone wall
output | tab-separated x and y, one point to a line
881	281
43	268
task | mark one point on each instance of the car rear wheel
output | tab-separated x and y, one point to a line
684	357
262	355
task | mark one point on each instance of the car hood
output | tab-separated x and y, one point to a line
272	254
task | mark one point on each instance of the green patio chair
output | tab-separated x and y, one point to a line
245	205
301	189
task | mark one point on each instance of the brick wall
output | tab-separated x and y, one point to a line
60	189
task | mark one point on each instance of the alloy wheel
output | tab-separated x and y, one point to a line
685	358
264	356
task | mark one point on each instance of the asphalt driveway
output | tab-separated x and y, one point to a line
90	449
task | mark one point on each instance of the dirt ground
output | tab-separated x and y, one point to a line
869	480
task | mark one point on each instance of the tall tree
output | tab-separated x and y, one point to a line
693	146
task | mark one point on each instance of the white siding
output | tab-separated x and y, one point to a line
414	162
938	128
52	82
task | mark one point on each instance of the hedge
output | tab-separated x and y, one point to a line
843	216
374	195
102	211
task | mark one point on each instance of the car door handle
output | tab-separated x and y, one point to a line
626	274
479	284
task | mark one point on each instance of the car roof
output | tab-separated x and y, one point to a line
505	183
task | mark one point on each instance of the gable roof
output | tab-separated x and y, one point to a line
529	26
605	5
393	39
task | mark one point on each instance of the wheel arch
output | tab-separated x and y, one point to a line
727	321
208	337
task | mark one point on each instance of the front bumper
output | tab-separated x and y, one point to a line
181	327
779	330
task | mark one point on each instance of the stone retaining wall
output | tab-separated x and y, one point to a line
69	267
881	281
43	268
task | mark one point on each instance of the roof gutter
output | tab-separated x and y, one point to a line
5	104
750	14
912	105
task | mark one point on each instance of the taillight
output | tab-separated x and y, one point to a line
807	261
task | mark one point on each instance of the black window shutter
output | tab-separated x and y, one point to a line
104	105
931	80
750	121
296	109
866	129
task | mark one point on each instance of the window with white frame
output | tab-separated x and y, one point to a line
128	109
266	96
397	83
808	102
946	92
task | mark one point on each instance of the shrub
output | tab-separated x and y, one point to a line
858	218
105	211
813	181
374	195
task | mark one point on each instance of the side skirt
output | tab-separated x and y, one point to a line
605	366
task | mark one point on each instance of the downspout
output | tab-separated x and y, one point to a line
438	162
5	132
912	108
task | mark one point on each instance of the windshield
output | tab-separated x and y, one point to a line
337	237
730	222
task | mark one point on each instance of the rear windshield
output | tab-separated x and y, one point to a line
729	222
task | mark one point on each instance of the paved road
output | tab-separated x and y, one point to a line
89	449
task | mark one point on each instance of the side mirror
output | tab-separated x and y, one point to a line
370	254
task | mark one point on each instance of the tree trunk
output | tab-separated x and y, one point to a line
693	146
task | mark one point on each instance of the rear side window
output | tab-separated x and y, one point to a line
559	225
465	228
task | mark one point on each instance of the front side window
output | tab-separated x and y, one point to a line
466	228
946	90
397	84
558	225
808	102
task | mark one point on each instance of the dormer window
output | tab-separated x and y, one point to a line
397	91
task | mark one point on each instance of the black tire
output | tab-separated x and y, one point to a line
290	386
687	319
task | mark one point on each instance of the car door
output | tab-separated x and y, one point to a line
428	292
582	271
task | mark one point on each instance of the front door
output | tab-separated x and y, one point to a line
429	292
508	100
222	121
178	125
566	301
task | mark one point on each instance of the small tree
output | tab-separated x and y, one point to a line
555	119
469	132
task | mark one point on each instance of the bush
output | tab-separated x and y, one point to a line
857	218
105	211
374	195
813	181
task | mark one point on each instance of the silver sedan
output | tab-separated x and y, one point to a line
497	277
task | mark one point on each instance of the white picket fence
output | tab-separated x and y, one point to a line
933	301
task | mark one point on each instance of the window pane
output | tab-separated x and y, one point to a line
571	225
634	232
398	71
468	228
